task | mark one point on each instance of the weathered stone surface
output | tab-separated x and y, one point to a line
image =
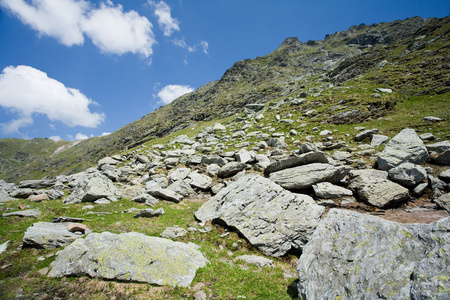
212	169
445	175
444	201
130	257
74	227
200	181
165	194
38	198
365	134
145	198
256	260
22	193
409	175
173	232
179	174
107	161
294	161
378	139
356	256
327	190
303	177
231	169
213	159
37	184
149	213
93	187
341	155
33	213
45	235
372	187
404	147
271	218
442	158
183	188
4	195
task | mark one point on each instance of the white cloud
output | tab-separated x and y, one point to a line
114	31
80	136
56	138
172	91
165	20
106	133
109	27
26	91
60	19
203	45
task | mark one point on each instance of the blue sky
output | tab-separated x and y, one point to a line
72	69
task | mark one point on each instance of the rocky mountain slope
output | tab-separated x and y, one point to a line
333	76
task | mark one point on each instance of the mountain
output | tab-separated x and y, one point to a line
333	78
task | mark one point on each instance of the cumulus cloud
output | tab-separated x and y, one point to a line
56	138
106	133
109	27
80	136
173	91
26	91
60	19
114	31
165	20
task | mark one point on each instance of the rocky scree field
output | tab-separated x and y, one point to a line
328	179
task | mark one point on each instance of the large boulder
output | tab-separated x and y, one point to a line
303	177
271	218
37	184
406	146
45	235
231	169
200	181
130	257
373	187
294	161
409	175
357	256
165	194
92	187
440	153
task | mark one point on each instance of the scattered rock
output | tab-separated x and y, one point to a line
145	198
378	139
33	213
357	256
200	181
371	186
182	187
303	177
67	220
37	184
130	257
432	119
294	161
404	147
231	169
409	175
326	190
3	247
365	134
256	260
93	187
149	213
444	201
165	194
38	198
427	136
271	218
445	175
173	232
74	227
45	235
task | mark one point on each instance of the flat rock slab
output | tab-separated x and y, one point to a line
404	147
33	213
357	256
256	260
45	235
294	161
271	218
303	177
130	257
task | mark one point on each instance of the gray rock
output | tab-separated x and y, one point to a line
212	169
341	155
107	161
438	147
445	175
326	190
173	232
93	187
420	189
404	147
245	156
271	218
165	194
357	256
22	193
130	257
308	147
444	201
183	188
432	119
149	213
4	195
378	139
179	174
373	187
45	235
142	158
218	127
294	161
256	260
182	139
365	134
32	213
262	161
216	188
262	145
442	158
231	169
409	175
303	177
427	136
436	183
37	184
200	181
276	142
146	198
213	159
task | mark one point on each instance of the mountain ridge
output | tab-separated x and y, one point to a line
294	70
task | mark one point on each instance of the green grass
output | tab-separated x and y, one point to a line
224	277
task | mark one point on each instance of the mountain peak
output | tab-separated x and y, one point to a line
291	43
